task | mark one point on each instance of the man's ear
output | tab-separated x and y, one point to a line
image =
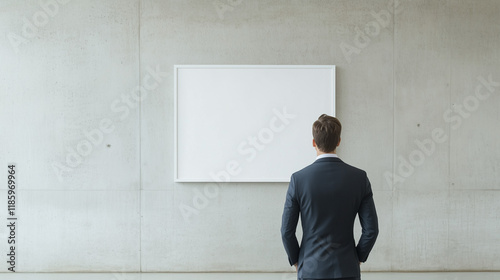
340	139
314	143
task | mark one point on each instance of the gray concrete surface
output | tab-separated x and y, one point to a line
95	159
246	276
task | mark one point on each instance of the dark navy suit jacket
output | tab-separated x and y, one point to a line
328	194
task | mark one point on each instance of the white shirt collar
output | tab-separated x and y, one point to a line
327	156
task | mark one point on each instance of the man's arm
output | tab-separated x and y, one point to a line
369	224
289	224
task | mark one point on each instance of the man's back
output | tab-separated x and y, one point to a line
329	194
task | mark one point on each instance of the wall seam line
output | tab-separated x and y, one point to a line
393	119
140	134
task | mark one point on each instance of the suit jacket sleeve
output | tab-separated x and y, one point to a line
369	224
289	224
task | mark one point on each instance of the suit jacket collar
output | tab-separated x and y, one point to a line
328	159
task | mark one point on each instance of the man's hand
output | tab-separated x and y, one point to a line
296	267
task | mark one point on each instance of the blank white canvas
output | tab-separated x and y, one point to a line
248	123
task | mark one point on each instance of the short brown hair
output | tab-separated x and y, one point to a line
326	133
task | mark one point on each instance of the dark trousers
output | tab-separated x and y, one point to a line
351	278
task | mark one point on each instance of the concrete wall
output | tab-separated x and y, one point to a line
94	151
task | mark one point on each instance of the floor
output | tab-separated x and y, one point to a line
242	276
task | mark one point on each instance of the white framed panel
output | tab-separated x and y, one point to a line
247	123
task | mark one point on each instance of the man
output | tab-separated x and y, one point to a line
328	194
